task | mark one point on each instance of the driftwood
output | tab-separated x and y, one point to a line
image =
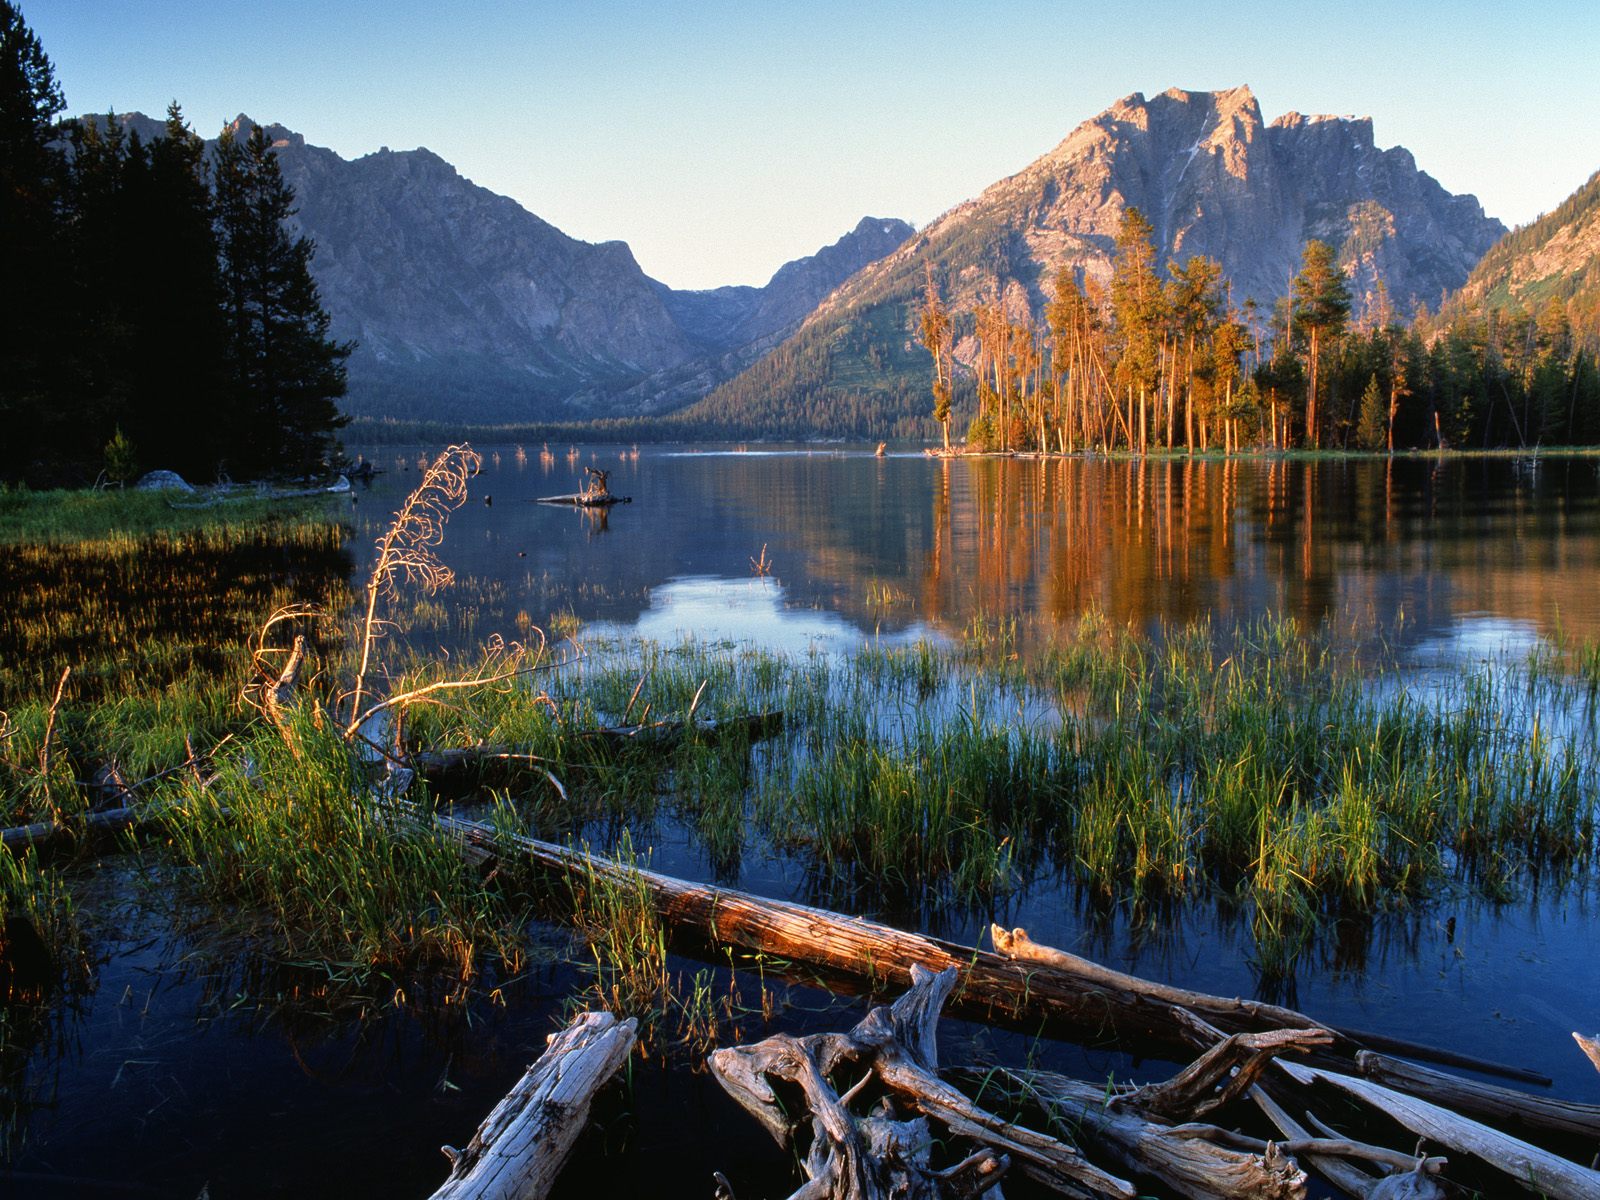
1187	1158
1236	1015
894	1045
585	500
277	697
894	1048
522	1145
1526	1165
1099	1007
1347	1178
1496	1105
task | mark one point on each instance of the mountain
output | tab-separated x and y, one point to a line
1556	259
1211	175
466	306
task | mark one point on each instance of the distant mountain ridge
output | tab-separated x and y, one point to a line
1553	260
465	306
1212	177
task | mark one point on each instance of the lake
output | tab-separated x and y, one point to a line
1448	556
182	1070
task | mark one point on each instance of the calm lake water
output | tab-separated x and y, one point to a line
179	1072
1453	557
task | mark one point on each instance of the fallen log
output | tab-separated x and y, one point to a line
1496	1105
1092	1008
1016	944
663	735
49	833
1526	1165
895	1047
585	500
1192	1165
1347	1178
523	1143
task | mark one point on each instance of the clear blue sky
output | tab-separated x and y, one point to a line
721	140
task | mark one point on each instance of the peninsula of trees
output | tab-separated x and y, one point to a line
161	313
1164	361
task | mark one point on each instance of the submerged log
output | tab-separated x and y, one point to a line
663	735
1016	944
522	1145
585	500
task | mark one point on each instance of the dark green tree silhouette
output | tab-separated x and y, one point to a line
35	337
286	372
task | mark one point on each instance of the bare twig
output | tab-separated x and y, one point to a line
50	728
407	550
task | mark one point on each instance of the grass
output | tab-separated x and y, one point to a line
287	836
150	607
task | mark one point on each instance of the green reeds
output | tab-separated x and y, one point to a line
289	838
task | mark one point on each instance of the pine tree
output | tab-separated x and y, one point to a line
34	277
176	393
286	372
1137	306
1320	309
1372	428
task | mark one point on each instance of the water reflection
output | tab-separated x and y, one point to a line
1449	555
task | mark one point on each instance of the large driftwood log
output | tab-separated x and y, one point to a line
1097	1008
1525	1165
522	1145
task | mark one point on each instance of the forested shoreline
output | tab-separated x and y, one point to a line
1145	363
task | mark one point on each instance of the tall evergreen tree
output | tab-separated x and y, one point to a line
1137	307
180	397
34	279
286	371
1372	428
1320	308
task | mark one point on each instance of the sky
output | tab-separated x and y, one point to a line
721	140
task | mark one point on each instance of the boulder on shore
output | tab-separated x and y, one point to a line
158	481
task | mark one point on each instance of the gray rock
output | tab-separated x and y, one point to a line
161	481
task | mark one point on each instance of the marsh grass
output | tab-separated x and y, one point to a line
149	606
287	836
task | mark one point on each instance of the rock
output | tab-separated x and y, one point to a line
160	481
